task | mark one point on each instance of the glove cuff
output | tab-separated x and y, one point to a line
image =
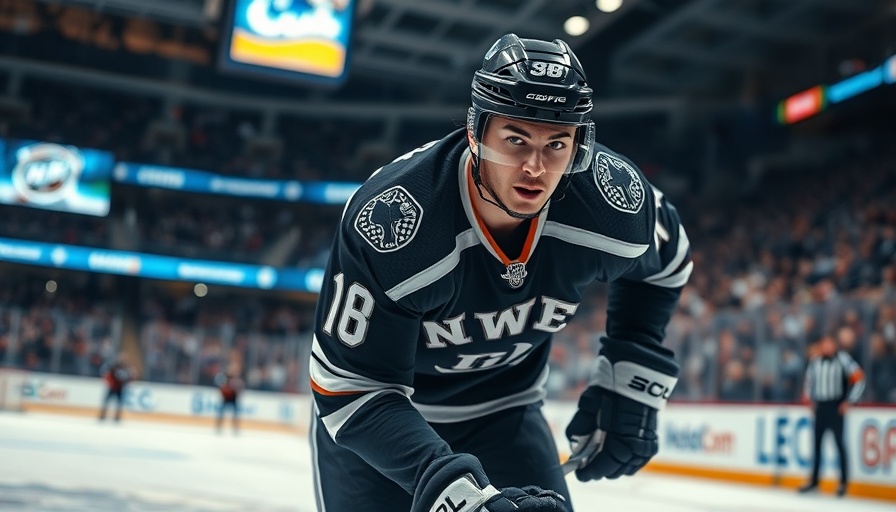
655	357
453	482
634	381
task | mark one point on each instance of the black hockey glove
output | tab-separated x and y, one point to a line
613	433
457	483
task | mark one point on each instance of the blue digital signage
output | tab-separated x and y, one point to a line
108	261
192	180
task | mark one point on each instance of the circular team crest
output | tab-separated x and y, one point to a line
620	185
390	220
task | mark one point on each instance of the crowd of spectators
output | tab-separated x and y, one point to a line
82	116
73	323
181	338
53	227
813	253
212	139
199	226
189	340
144	129
64	324
809	252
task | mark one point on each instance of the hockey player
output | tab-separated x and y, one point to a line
450	271
230	385
117	374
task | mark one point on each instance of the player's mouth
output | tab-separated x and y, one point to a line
528	193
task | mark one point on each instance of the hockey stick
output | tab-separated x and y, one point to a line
572	464
578	460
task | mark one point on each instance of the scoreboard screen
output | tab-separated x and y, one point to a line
303	40
54	176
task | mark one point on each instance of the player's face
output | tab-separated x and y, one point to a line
523	161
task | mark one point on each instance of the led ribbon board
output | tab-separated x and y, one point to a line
890	70
191	180
812	101
155	266
802	105
855	85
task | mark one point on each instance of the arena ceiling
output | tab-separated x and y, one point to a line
646	48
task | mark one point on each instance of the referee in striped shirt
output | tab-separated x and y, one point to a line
833	380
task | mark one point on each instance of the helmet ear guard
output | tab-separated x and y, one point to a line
581	161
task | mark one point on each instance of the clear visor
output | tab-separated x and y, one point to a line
548	150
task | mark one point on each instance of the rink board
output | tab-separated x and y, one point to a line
46	392
767	444
762	444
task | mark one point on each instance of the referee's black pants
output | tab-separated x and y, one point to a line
828	417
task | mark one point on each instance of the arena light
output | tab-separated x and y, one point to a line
576	25
608	5
200	290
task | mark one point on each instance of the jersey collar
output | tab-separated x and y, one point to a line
467	189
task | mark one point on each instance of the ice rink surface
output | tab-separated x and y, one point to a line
64	463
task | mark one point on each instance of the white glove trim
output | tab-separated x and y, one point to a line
634	381
463	495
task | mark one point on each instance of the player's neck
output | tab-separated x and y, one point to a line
491	215
509	233
498	222
511	241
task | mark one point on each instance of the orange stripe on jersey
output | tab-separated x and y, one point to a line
530	239
856	376
326	392
530	236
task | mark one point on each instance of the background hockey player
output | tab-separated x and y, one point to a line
230	385
117	374
451	269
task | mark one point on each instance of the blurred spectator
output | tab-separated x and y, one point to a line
56	227
790	384
882	371
737	385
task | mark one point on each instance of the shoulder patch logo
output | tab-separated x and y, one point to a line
619	183
390	220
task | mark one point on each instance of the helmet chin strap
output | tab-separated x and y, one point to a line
477	180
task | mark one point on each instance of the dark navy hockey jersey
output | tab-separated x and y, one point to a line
420	318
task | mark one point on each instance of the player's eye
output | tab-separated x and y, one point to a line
515	141
557	145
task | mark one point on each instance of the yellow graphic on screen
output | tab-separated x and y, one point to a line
317	56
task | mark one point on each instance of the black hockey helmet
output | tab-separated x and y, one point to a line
534	80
